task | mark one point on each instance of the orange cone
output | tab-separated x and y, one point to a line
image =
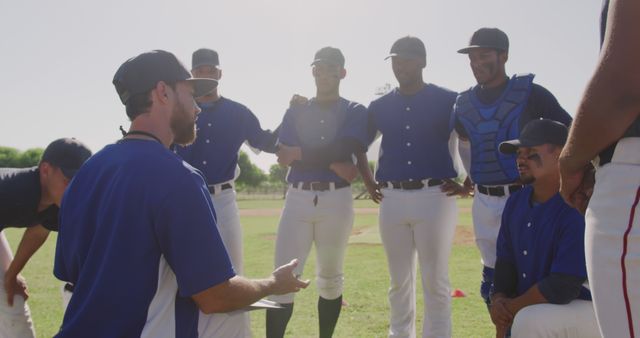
457	293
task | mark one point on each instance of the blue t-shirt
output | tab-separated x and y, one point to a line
137	238
312	125
415	134
223	126
542	239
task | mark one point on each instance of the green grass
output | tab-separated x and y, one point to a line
366	280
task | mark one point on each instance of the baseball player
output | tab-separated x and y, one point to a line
30	198
491	112
318	207
138	232
607	126
223	126
416	217
540	269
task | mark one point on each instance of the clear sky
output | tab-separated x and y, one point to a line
59	57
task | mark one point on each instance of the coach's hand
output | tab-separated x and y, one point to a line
287	154
347	171
284	281
15	285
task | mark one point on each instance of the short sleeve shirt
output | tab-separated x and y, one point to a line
19	198
138	238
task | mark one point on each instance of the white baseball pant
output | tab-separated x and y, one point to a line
233	324
15	321
486	212
423	222
574	320
328	224
612	242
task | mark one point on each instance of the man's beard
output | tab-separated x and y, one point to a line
527	179
182	126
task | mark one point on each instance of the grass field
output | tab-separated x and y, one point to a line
366	277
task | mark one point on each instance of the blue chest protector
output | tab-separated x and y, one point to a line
489	125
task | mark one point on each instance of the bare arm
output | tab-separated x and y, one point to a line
612	97
239	292
32	240
367	177
530	297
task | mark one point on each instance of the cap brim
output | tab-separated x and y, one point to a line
509	147
202	87
405	56
466	50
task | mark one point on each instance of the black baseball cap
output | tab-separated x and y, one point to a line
409	47
68	154
329	55
487	38
141	73
204	57
535	133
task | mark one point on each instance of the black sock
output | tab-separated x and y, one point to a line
328	313
277	320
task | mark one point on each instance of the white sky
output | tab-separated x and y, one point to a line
58	57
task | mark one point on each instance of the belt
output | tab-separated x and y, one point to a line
498	191
319	186
411	185
223	186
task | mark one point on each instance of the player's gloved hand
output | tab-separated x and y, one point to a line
576	187
500	314
453	188
284	281
298	100
347	171
287	154
15	285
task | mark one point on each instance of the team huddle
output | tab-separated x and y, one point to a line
557	232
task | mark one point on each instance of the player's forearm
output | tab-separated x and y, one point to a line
363	168
235	293
32	239
530	297
612	98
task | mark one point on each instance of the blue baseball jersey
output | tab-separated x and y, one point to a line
138	238
542	239
223	126
314	125
415	134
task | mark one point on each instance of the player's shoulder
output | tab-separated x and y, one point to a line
233	105
441	90
352	106
389	97
568	216
520	197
